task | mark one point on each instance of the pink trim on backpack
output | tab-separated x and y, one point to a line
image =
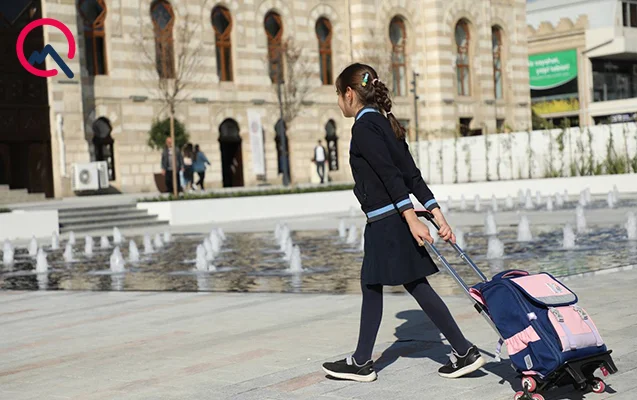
543	286
477	296
514	273
521	340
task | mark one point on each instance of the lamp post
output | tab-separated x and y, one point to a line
283	141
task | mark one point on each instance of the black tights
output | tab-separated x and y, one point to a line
429	301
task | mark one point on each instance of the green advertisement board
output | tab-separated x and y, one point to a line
549	70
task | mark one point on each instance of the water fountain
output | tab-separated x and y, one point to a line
117	236
582	199
41	263
296	264
508	203
549	203
363	240
352	235
568	242
342	230
581	219
7	253
538	198
148	245
88	246
277	232
288	248
631	226
168	237
157	242
33	247
495	248
210	253
616	194
521	197
463	203
201	261
460	239
68	253
133	252
528	202
587	193
104	243
494	203
524	230
284	236
72	238
117	261
559	200
476	201
490	227
565	195
610	199
215	241
55	241
449	203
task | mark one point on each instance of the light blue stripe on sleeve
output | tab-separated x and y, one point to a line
430	203
380	211
403	203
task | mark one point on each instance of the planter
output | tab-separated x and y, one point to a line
160	183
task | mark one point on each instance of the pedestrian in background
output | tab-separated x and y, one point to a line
167	165
200	166
319	159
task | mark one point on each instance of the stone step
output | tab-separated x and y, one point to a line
20	196
108	225
113	218
99	210
4	188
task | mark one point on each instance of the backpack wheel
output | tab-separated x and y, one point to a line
537	396
529	383
598	386
519	396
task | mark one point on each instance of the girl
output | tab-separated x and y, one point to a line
200	166
385	174
188	166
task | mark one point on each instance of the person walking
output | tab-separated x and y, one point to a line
167	165
200	166
385	175
189	172
319	159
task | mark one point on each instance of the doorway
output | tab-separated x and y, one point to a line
231	154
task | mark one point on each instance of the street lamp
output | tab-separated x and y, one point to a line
416	97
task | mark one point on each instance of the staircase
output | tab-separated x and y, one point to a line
11	196
86	219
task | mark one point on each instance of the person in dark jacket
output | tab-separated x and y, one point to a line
385	175
167	165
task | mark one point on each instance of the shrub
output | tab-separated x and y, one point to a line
160	130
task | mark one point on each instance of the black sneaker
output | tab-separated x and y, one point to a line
348	369
462	365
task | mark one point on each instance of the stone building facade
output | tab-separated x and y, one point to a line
470	55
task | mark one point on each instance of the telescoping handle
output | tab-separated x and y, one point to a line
464	256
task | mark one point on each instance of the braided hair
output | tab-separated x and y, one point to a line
371	91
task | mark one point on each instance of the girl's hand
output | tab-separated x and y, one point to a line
446	233
420	232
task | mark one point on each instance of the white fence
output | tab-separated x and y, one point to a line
524	155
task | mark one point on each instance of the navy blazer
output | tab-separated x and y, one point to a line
384	170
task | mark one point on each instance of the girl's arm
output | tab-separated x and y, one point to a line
369	140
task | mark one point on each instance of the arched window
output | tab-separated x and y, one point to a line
324	34
332	145
274	31
222	24
496	39
93	14
103	143
463	70
163	21
397	35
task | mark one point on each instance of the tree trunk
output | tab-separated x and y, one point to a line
174	156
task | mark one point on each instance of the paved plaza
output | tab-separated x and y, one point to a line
132	345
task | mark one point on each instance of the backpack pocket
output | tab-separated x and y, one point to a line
574	327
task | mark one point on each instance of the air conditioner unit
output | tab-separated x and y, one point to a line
102	171
85	177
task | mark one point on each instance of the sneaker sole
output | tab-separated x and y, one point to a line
477	364
351	377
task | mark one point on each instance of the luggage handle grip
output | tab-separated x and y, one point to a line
430	217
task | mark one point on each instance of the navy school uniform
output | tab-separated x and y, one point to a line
385	174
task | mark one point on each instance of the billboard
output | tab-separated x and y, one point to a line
553	81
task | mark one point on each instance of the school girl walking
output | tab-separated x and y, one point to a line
385	174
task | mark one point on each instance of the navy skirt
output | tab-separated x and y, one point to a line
392	255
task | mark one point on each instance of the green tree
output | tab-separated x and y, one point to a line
160	130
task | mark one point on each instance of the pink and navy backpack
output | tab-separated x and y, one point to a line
540	319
